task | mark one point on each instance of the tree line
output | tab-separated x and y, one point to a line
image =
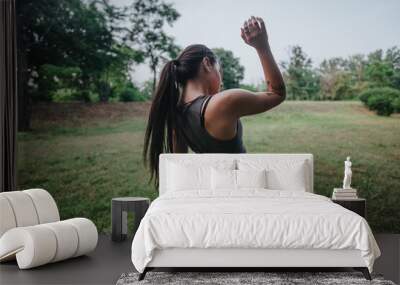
374	78
86	50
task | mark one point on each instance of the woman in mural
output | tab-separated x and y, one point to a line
190	110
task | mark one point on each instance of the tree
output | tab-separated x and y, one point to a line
331	71
393	57
302	81
346	78
147	19
383	68
67	34
355	64
232	70
116	79
337	82
117	75
63	44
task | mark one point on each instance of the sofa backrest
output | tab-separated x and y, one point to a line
26	208
241	160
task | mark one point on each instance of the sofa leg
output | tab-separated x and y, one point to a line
364	271
143	274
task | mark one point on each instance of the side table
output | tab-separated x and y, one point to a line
358	206
119	215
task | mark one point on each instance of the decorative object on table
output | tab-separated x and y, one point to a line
345	193
347	174
31	231
358	206
248	278
119	215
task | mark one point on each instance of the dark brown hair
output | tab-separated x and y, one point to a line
162	120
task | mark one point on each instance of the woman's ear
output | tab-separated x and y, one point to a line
207	64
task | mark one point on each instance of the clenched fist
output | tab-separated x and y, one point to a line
254	33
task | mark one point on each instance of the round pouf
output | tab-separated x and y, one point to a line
119	215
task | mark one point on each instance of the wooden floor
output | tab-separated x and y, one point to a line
110	260
102	266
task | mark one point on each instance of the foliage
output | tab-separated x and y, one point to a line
396	104
383	69
364	96
147	19
50	78
383	100
336	82
71	35
147	89
340	78
118	73
231	70
131	93
302	82
86	49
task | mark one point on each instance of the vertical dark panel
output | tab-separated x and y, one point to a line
8	95
116	220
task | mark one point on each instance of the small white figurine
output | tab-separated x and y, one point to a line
347	174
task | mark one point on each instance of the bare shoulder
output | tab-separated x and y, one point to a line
240	102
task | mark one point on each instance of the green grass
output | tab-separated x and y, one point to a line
85	166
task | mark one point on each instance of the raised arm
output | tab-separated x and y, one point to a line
257	37
239	102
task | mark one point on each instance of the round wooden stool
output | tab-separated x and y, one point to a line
119	215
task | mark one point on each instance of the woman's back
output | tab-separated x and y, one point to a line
192	128
194	75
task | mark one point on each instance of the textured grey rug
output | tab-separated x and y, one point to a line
236	278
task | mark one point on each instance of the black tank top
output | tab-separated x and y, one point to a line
190	121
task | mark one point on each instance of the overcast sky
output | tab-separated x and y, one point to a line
323	29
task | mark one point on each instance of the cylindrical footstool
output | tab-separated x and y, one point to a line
119	215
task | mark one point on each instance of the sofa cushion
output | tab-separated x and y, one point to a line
30	230
23	208
46	207
40	244
7	220
26	208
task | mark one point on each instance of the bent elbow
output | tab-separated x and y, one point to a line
282	95
279	90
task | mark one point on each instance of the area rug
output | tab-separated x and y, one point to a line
244	278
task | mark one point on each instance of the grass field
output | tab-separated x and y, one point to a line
87	154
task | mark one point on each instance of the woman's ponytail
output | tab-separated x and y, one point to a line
162	119
162	122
